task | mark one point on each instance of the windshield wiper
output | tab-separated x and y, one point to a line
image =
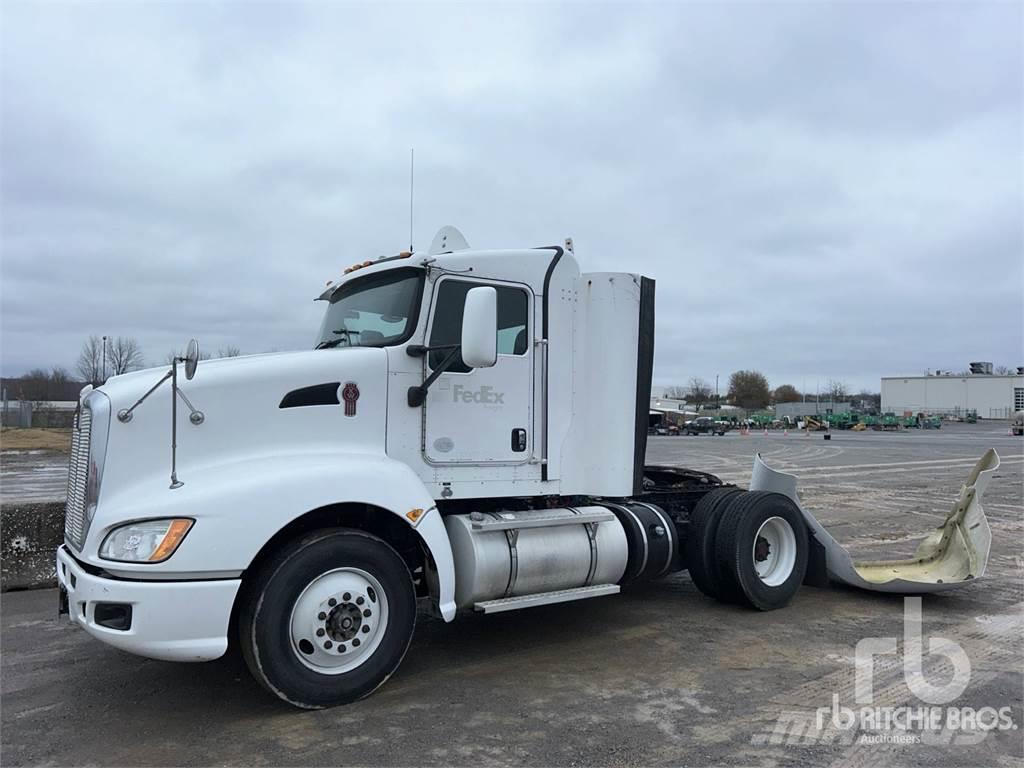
329	343
346	338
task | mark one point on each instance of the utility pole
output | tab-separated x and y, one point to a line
717	403
103	370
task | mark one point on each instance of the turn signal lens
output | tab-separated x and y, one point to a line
414	514
171	540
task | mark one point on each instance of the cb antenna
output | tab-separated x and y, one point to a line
412	170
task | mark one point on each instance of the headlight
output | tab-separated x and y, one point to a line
146	541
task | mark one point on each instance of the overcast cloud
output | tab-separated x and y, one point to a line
820	191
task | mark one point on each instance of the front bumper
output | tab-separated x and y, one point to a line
171	620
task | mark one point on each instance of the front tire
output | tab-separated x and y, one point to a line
328	618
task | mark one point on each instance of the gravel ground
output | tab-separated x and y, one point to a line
659	675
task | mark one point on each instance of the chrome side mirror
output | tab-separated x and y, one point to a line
191	359
480	328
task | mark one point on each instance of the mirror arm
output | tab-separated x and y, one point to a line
416	395
419	350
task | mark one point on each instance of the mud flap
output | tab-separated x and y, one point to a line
955	552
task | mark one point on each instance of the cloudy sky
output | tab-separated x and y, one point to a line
820	191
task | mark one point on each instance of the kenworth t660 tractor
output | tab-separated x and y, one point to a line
468	433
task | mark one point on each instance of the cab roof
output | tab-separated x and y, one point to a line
526	266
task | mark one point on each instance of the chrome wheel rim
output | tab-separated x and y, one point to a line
338	621
774	551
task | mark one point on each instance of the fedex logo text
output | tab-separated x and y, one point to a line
485	395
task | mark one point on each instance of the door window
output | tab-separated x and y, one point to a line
513	326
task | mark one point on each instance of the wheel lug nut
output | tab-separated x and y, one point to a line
321	615
328	645
366	613
332	602
365	629
359	601
346	597
342	648
320	632
355	642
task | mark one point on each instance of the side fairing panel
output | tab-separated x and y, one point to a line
955	552
597	456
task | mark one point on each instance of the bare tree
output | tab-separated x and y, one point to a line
1003	370
38	385
700	391
34	385
90	361
229	351
169	358
869	399
675	393
60	376
124	354
836	391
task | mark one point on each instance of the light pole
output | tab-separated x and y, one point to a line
103	370
717	403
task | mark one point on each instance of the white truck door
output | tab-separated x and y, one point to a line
482	415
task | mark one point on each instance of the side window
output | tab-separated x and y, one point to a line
513	328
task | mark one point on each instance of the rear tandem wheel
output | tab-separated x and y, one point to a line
748	547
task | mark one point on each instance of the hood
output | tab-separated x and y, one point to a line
314	401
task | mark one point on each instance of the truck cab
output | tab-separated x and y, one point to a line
390	416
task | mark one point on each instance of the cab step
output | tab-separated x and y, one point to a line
545	598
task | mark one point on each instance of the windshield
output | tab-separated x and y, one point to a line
374	311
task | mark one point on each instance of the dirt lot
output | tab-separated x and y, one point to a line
16	439
656	676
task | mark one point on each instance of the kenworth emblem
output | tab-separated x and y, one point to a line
350	393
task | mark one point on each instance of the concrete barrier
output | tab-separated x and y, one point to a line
29	536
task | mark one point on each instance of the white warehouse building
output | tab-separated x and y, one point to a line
991	396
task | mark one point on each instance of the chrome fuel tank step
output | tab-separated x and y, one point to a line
545	598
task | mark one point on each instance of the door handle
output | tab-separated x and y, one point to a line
519	440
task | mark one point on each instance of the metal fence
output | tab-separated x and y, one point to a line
26	413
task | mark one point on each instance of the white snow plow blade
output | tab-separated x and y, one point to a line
955	552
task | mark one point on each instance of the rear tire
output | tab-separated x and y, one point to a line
700	539
328	618
761	550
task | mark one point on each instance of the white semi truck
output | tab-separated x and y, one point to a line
469	432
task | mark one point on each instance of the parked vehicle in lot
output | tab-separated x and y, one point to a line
704	425
1018	423
664	430
469	432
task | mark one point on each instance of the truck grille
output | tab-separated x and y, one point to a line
78	475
